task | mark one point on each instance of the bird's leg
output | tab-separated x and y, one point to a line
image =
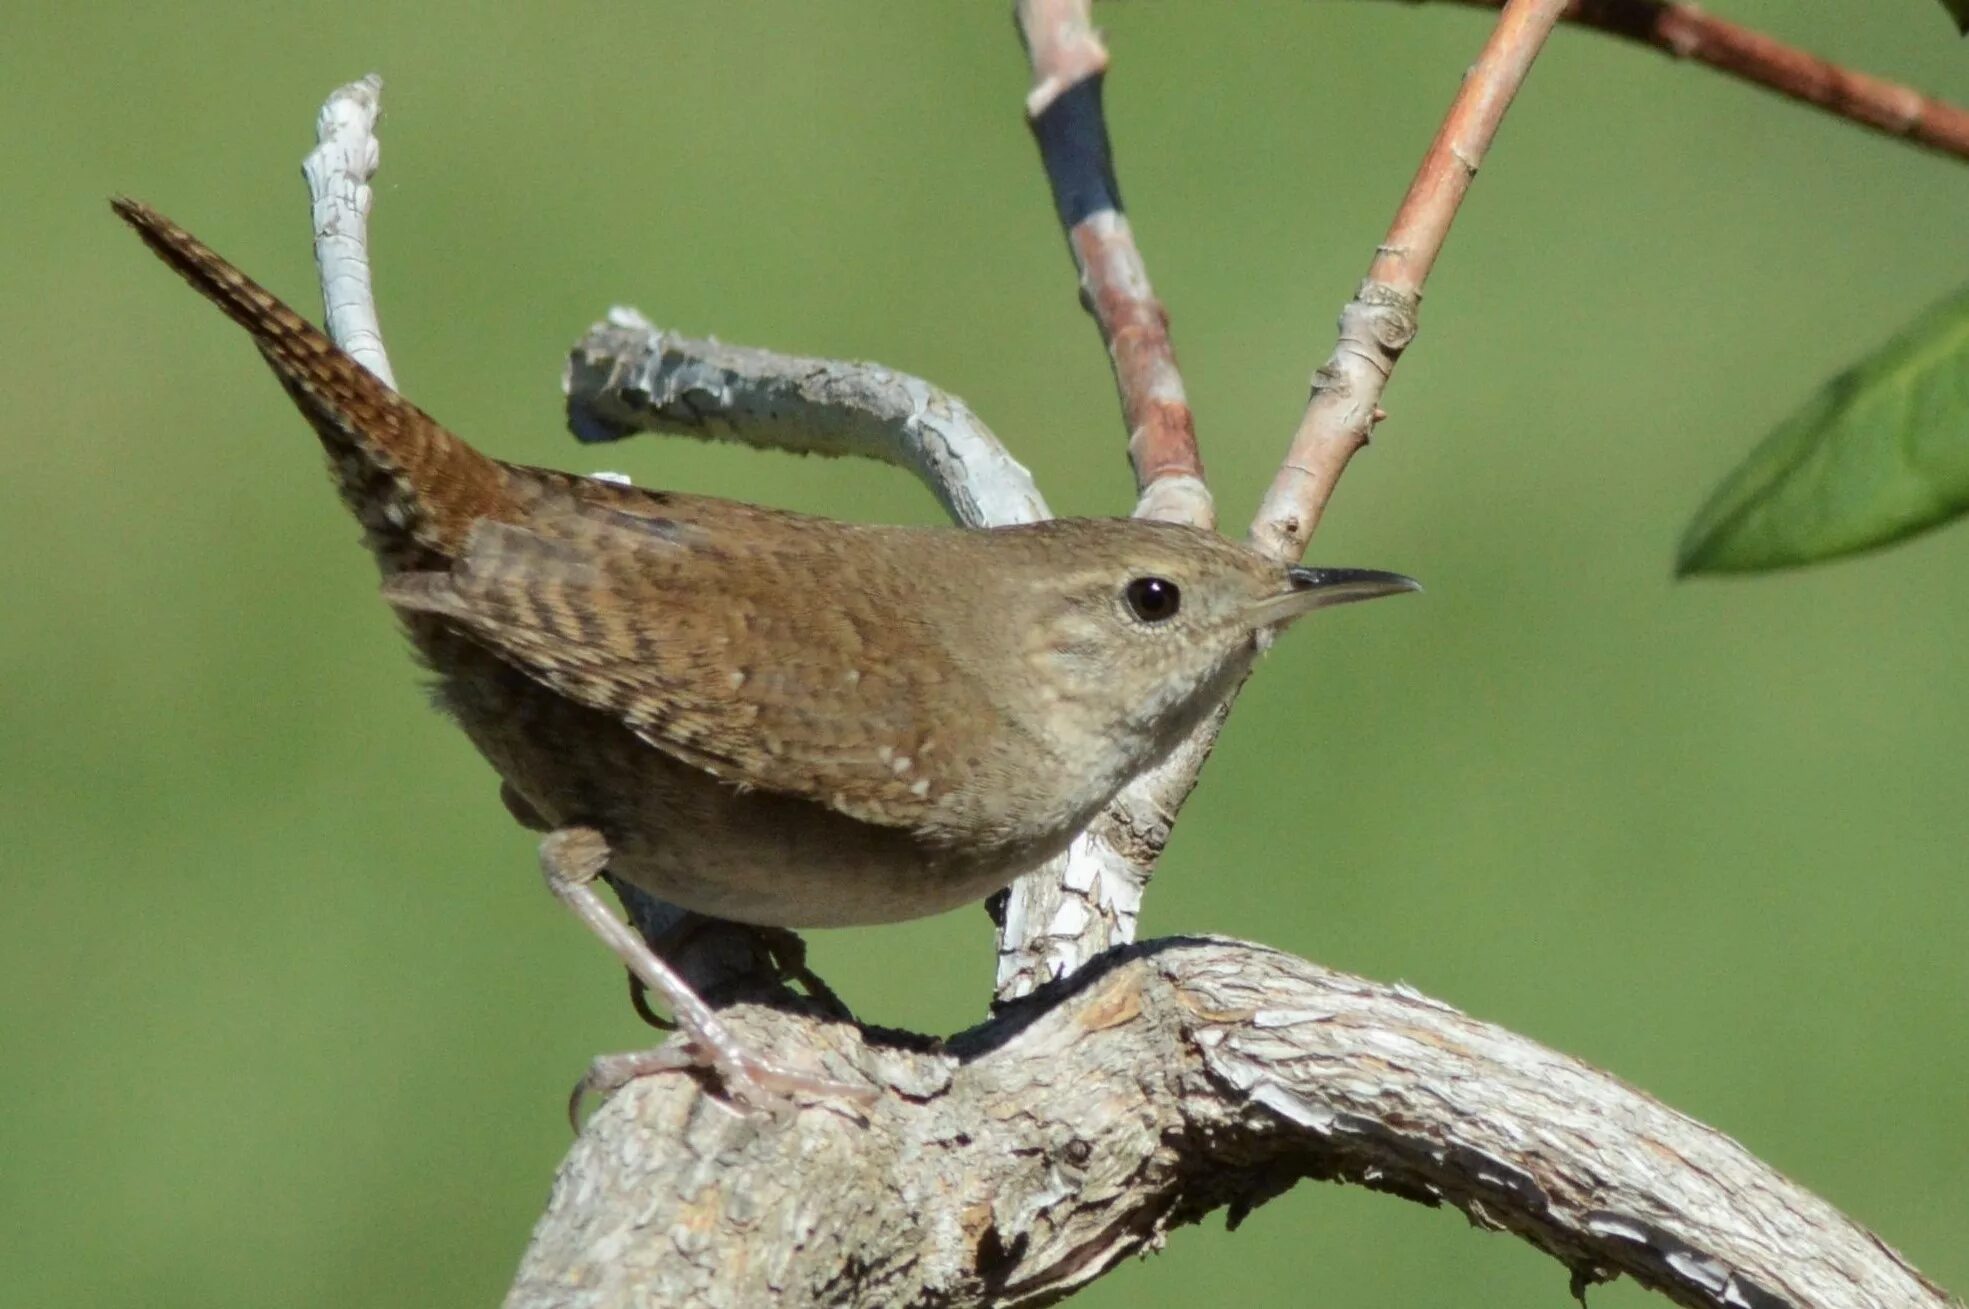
528	817
572	858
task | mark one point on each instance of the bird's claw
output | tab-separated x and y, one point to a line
752	1084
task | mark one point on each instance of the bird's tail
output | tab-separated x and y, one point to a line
415	487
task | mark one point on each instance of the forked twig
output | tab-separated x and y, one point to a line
1058	917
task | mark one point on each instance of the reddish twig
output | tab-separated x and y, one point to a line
1064	110
1061	915
1683	31
1380	321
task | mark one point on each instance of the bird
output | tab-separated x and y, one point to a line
766	716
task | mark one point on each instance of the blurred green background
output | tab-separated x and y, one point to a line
285	1014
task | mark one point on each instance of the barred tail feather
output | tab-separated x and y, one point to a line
416	488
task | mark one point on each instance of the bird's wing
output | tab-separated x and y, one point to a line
757	656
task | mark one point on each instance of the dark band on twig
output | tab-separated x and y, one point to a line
1073	145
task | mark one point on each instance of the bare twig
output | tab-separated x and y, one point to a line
1682	31
1380	321
627	375
1064	110
1058	917
1030	1155
338	173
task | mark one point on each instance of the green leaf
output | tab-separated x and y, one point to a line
1959	9
1880	453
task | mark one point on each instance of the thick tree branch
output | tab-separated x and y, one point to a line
1170	1079
1682	31
1380	321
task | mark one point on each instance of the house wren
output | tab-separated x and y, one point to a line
761	715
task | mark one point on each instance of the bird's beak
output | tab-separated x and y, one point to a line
1320	588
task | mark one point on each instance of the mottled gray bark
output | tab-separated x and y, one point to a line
1027	1156
628	375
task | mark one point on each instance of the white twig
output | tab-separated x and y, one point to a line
628	375
338	172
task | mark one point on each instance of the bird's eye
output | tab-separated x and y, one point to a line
1153	598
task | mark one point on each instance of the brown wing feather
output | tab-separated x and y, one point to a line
726	653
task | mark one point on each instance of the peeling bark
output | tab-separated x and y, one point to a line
1023	1158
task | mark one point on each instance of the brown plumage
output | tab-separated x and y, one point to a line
767	716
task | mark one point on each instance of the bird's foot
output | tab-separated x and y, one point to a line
752	1083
